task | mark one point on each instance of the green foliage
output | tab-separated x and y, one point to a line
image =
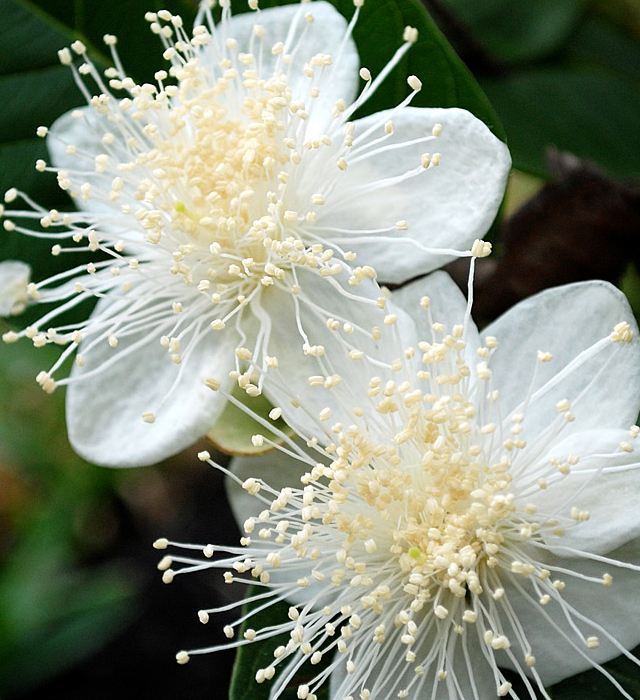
520	31
53	612
560	73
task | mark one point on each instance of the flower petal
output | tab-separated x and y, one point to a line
14	277
469	676
603	467
604	391
277	469
303	40
82	130
448	306
616	609
104	414
318	300
445	207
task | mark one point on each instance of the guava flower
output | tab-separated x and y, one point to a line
465	506
239	179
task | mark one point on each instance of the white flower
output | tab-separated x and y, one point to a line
238	180
468	506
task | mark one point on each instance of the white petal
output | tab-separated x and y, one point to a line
275	468
604	391
291	378
389	672
616	608
445	207
85	133
605	482
104	413
14	277
278	470
448	306
303	40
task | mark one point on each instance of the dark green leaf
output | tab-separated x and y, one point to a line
139	49
34	89
597	42
63	615
52	612
519	31
589	113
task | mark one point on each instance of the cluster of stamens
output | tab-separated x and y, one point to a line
208	182
415	523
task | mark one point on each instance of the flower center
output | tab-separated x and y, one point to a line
219	164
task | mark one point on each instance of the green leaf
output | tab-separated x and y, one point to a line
597	42
49	601
519	31
139	49
65	615
446	80
587	112
252	657
34	90
235	428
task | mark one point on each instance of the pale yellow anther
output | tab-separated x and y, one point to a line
469	616
325	414
64	56
441	612
275	413
504	688
182	657
622	333
165	563
480	248
410	34
203	616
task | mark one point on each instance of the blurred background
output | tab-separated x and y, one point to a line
82	606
